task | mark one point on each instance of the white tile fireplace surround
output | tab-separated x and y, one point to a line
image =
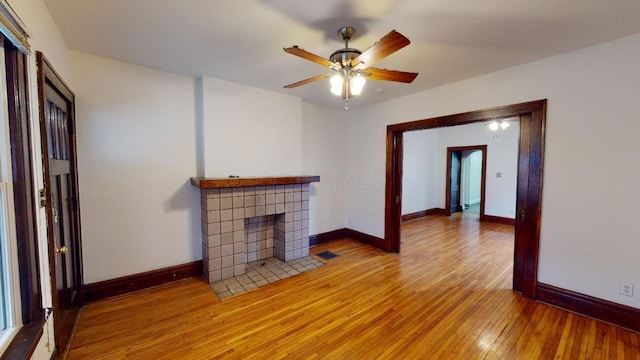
248	219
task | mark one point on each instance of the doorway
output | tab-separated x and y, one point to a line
455	179
472	174
529	182
57	129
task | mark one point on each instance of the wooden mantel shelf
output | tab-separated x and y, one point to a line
216	183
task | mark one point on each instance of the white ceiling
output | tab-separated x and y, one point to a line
242	40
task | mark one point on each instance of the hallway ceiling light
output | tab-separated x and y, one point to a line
494	125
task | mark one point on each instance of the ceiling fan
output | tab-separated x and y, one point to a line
351	66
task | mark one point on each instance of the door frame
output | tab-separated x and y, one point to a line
47	75
529	189
483	180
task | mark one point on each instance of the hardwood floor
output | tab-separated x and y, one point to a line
446	296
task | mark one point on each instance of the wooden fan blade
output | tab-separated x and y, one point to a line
388	75
306	81
294	50
386	46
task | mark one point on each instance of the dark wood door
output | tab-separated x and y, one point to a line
454	180
61	186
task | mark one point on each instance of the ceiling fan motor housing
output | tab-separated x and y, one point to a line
344	56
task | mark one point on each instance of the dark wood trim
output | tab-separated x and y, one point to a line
468	117
365	238
327	236
423	213
126	284
529	200
346	233
393	192
215	183
23	183
607	311
483	179
530	164
447	191
24	343
499	220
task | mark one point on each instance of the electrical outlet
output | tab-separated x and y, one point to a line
626	288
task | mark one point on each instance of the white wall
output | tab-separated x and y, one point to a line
45	36
365	179
419	162
253	132
250	131
136	135
589	222
324	145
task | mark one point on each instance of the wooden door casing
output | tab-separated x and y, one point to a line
529	193
57	128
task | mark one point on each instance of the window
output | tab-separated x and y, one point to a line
7	284
22	308
9	281
20	272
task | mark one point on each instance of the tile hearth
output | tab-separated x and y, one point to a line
263	272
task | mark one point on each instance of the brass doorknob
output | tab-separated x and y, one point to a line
62	250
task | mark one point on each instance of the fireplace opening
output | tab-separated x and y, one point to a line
261	234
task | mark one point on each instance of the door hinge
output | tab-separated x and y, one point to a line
43	197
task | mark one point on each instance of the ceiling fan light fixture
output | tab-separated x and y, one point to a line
336	82
350	66
504	125
494	125
356	84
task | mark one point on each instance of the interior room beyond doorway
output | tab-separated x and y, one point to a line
427	170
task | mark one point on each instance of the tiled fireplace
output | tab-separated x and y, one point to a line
248	219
